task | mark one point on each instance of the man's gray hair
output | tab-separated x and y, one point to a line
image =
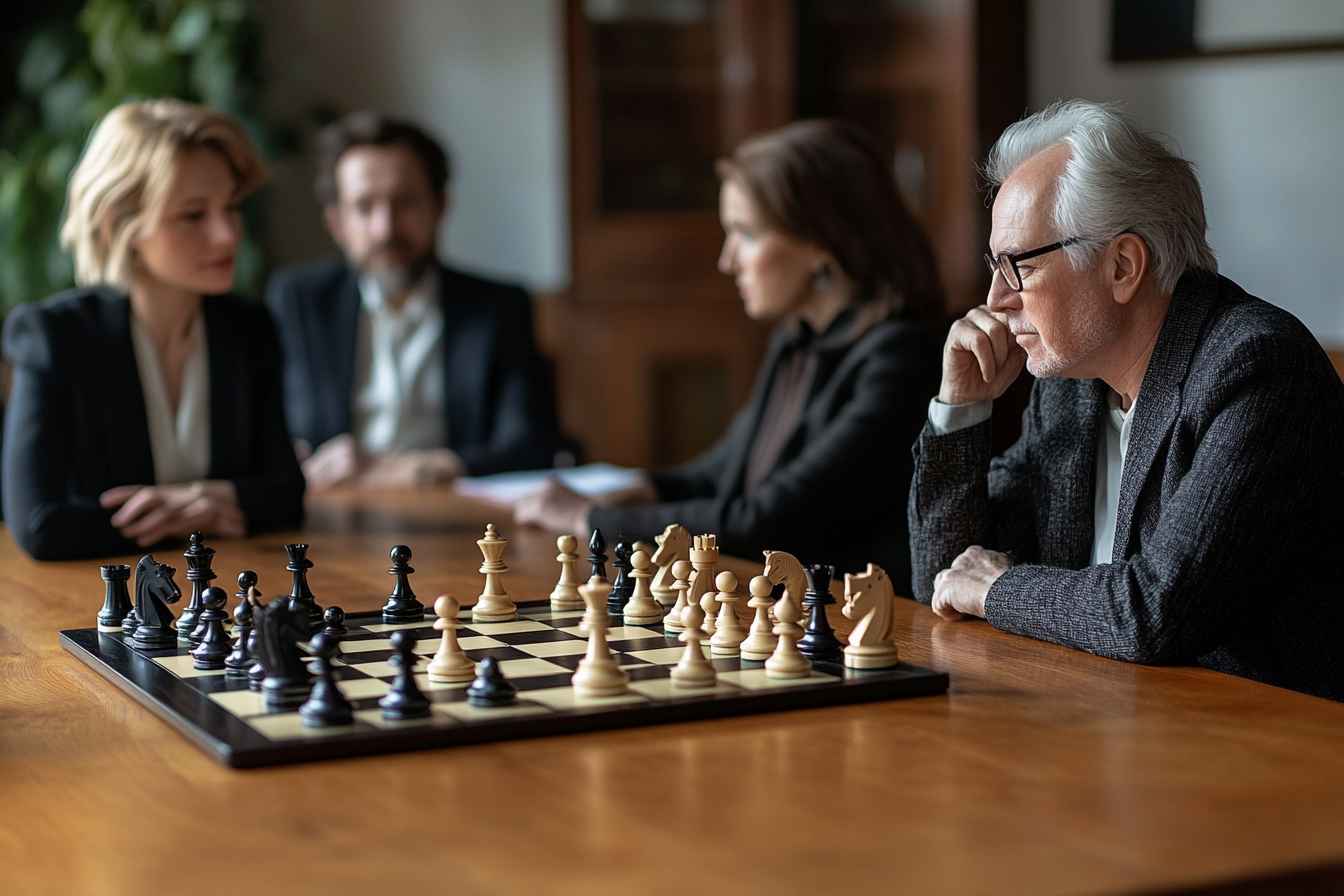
1117	178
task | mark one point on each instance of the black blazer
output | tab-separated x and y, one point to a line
1231	503
76	424
837	494
498	401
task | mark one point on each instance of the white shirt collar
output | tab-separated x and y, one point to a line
419	301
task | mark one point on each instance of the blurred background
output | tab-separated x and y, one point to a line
584	134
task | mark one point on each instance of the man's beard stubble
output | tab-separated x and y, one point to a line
395	279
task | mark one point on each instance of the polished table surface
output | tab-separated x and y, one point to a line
1042	770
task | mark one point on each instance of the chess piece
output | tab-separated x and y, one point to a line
819	641
491	688
566	594
333	623
215	643
404	700
200	575
326	706
240	661
129	623
598	674
279	630
681	571
599	588
693	670
116	596
760	641
402	605
621	587
729	632
643	546
154	590
868	600
641	609
786	661
597	555
704	559
333	626
300	595
450	663
494	603
256	673
673	544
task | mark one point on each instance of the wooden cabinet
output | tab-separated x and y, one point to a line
654	352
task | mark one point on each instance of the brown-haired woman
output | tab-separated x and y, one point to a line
147	403
818	463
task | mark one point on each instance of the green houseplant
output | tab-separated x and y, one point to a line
71	69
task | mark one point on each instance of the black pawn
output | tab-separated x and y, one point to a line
130	622
200	575
300	595
597	555
490	688
116	595
334	623
622	587
405	700
819	641
215	643
256	673
326	705
240	661
402	605
333	626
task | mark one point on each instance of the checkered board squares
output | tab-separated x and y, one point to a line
538	653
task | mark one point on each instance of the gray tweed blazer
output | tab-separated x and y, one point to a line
1228	541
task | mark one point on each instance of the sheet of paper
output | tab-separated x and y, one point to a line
506	488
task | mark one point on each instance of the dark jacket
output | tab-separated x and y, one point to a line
499	404
837	493
1231	503
76	424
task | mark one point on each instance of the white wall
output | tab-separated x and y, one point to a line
486	77
1266	134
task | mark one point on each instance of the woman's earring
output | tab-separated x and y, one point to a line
821	277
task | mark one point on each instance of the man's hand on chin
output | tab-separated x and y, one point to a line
960	590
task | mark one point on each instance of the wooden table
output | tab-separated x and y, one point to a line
1043	770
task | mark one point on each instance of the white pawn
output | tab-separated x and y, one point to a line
693	670
709	607
681	574
787	661
598	674
729	632
641	609
602	588
450	663
566	593
761	641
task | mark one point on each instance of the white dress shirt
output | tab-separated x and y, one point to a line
398	400
180	442
1110	464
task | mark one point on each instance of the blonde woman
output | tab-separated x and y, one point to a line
147	403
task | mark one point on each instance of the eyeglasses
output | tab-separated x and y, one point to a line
1006	264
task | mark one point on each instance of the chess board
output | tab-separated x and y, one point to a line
538	653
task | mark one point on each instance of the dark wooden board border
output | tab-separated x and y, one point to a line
231	741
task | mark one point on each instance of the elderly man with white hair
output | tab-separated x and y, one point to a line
1177	493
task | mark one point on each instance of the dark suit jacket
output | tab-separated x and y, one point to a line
76	424
1231	503
498	402
837	494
